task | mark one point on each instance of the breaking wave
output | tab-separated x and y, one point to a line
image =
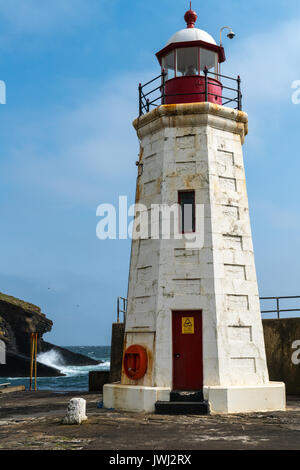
53	358
75	377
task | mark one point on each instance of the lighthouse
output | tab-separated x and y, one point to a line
193	333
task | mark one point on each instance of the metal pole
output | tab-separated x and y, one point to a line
221	31
239	93
118	310
35	372
278	308
206	83
163	87
140	100
31	361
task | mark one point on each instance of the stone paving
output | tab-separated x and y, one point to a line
33	421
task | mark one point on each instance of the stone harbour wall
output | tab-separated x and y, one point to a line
282	340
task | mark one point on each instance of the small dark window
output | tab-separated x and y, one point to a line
187	204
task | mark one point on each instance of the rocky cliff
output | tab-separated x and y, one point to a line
18	319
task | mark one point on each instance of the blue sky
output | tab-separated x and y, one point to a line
71	69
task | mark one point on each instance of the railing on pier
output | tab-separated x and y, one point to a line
276	302
277	310
151	98
121	308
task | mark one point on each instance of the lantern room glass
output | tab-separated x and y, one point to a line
208	59
168	64
189	61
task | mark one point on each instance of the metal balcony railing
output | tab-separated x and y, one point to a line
152	97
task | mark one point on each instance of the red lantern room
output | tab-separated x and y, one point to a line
190	71
189	55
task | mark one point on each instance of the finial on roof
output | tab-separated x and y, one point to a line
190	17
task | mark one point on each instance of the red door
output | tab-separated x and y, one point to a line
187	351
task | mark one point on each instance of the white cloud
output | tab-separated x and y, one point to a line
42	16
74	153
82	153
268	63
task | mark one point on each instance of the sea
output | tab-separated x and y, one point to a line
76	378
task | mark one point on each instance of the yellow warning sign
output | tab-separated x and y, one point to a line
188	326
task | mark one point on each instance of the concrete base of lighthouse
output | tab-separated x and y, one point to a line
246	399
134	398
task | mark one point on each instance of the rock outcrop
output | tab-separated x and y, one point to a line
18	319
68	357
18	365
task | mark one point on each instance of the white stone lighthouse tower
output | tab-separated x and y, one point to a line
193	322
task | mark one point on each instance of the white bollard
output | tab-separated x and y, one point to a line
76	411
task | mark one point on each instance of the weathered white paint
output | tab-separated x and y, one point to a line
246	399
197	146
76	411
138	399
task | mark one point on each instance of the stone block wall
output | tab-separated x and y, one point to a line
282	340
